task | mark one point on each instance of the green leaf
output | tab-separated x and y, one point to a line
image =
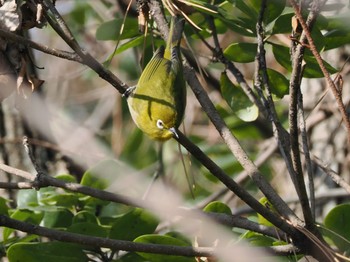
48	252
336	38
133	224
266	203
84	216
67	178
283	24
259	240
313	70
237	100
319	40
3	206
22	215
27	198
250	11
282	56
279	83
88	228
130	44
218	207
57	219
163	240
241	52
111	30
228	14
130	257
337	221
96	176
178	235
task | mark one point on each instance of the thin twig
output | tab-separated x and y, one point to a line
60	235
16	185
14	38
295	95
242	177
262	82
58	24
313	49
231	184
306	151
332	174
46	180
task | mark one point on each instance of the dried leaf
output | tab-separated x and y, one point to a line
10	16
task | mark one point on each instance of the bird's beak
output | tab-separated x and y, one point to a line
173	130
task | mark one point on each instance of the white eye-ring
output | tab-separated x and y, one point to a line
160	124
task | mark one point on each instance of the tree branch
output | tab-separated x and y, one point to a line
58	24
313	49
14	38
105	242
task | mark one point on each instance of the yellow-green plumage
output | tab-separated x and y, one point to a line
157	103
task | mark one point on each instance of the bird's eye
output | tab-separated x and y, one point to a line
160	124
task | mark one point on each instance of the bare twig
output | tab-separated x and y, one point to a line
44	180
59	235
332	174
330	82
16	185
295	96
232	185
237	151
306	151
11	37
57	23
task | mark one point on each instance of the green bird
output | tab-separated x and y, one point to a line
157	103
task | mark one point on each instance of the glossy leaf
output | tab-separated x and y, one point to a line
282	56
111	30
88	228
27	198
130	257
266	203
250	11
241	52
130	44
67	178
84	216
313	70
279	83
133	224
336	38
283	24
96	176
217	207
3	206
337	221
57	219
48	252
257	239
163	240
22	215
237	100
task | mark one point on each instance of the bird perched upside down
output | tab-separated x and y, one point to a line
157	103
